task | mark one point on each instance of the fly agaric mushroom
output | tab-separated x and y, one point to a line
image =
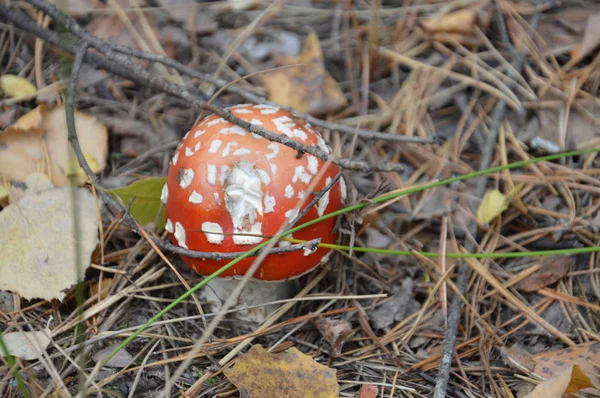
228	190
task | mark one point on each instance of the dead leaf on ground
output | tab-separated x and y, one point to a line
492	205
563	30
26	345
459	24
518	358
553	269
335	331
307	87
368	391
37	238
401	305
580	132
120	360
106	284
571	380
550	364
16	86
259	374
591	38
37	143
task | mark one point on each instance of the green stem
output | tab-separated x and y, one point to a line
349	209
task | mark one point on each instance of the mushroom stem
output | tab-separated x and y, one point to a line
256	293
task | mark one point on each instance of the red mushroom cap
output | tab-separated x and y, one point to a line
227	188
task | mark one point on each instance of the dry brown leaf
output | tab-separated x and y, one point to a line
259	374
553	269
37	238
306	88
518	358
550	364
564	29
368	391
458	25
335	331
570	380
33	183
106	284
591	38
37	143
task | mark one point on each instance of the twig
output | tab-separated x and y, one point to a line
365	134
120	65
463	272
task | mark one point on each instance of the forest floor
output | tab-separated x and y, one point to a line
461	281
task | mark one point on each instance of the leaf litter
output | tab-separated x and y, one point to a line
401	70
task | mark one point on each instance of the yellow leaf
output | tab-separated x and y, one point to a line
37	143
15	86
493	204
106	285
570	380
259	374
550	364
461	21
37	238
307	86
4	190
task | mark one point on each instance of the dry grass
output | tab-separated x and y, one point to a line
397	80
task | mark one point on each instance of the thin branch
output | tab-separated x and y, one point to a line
103	45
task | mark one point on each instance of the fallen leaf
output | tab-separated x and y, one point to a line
120	360
106	284
562	31
259	374
37	238
580	131
591	38
15	86
459	24
553	269
368	391
93	138
147	201
570	380
518	358
33	183
26	345
401	305
492	205
307	87
335	331
37	143
550	364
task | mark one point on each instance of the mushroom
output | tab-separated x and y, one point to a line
229	189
